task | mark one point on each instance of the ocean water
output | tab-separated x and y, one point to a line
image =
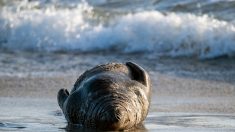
188	94
28	115
187	46
199	28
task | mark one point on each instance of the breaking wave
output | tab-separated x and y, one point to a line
89	29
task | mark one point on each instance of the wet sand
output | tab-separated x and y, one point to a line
170	94
188	95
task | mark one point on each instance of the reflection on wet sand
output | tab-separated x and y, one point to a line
188	95
155	121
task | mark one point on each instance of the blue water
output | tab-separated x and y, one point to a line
41	41
201	28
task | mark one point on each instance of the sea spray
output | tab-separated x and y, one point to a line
53	29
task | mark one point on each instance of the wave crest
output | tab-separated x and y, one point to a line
77	29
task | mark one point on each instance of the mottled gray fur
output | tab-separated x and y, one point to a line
112	96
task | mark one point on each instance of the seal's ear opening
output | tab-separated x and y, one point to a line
62	96
138	73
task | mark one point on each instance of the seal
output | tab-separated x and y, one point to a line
112	96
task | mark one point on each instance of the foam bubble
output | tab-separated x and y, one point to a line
77	29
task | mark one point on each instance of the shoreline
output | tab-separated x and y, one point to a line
186	93
170	93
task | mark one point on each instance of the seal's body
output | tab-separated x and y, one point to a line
108	97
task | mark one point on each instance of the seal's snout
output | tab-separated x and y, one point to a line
109	97
114	118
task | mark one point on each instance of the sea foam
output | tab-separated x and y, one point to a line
152	32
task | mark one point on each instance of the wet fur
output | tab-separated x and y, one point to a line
112	96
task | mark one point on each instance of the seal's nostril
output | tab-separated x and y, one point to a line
112	97
114	117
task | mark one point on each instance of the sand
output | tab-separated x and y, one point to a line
182	88
169	93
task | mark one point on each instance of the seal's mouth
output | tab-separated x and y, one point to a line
111	111
115	117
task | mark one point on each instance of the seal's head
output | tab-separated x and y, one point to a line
108	97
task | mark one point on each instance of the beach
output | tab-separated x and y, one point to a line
187	94
186	46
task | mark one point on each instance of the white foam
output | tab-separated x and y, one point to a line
51	29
